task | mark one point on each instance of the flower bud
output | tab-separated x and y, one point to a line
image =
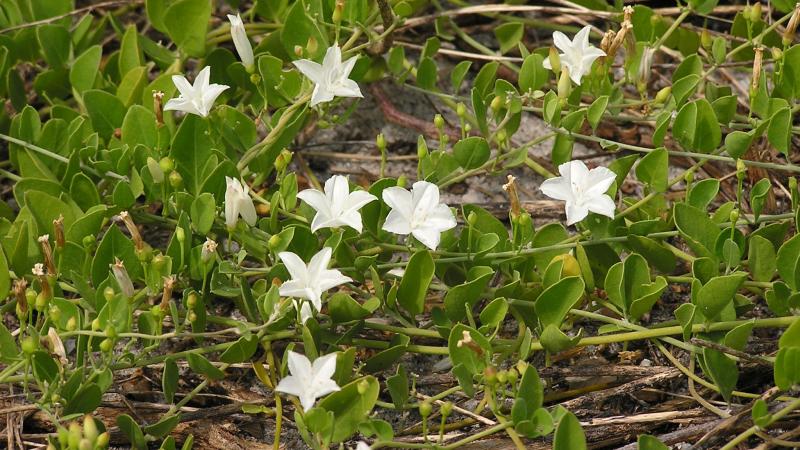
663	95
90	428
29	345
241	42
85	444
564	84
338	10
123	279
111	331
88	241
490	375
380	141
401	180
502	376
180	235
311	45
55	313
734	216
102	440
555	60
512	375
472	218
497	103
438	122
106	345
755	12
362	387
191	317
155	170
298	51
283	160
446	409
422	148
109	293
741	169
461	110
570	266
191	301
777	54
74	437
274	242
96	325
72	324
167	164
705	39
208	251
791	27
175	179
425	409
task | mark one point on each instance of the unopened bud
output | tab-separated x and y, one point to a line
461	110
564	84
362	387
497	103
438	122
425	409
167	164
283	160
180	235
570	266
175	179
338	11
123	279
705	39
734	216
791	27
109	293
106	345
380	142
777	54
755	12
663	95
446	409
90	428
555	60
422	147
102	440
156	173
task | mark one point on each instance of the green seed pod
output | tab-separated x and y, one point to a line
191	301
96	325
85	444
102	441
42	300
734	216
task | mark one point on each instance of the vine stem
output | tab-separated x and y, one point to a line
793	405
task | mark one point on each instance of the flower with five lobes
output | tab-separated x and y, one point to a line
331	78
241	42
238	203
418	212
308	381
584	190
578	55
197	98
310	281
337	206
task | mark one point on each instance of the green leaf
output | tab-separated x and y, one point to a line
397	385
169	379
471	357
761	258
532	75
789	262
427	74
139	127
459	299
457	74
130	55
350	406
758	196
471	152
114	245
738	142
509	35
703	193
569	434
414	285
191	150
106	111
203	211
342	308
554	303
299	27
696	127
718	293
647	442
241	350
203	366
722	370
596	110
55	44
186	22
653	169
697	228
132	431
164	426
84	70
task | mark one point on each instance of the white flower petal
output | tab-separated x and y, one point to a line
397	223
324	366
248	210
399	200
357	199
576	213
557	188
319	263
312	71
603	205
296	267
428	236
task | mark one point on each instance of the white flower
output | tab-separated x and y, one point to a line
240	41
309	381
578	55
331	77
337	206
237	203
310	281
584	190
418	213
198	98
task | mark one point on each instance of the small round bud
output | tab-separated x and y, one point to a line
29	345
255	78
501	135
191	317
55	313
446	409
74	437
438	122
30	296
705	39
175	179
155	170
570	267
380	141
461	110
312	46
72	324
425	409
401	180
42	300
555	60
106	345
111	332
734	216
472	218
274	242
96	325
191	301
502	376
777	54
109	293
158	262
755	12
167	164
512	375
180	235
88	241
467	128
496	104
363	386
